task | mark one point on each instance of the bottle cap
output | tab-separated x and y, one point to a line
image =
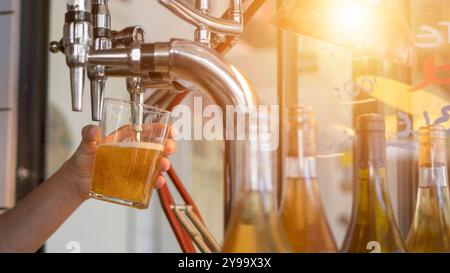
370	123
432	150
371	145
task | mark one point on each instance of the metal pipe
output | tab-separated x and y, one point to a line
208	70
207	236
220	47
235	11
111	57
197	18
203	5
195	235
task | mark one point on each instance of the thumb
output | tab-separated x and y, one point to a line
89	140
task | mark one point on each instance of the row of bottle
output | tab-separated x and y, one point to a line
301	225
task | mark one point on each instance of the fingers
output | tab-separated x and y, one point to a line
170	147
172	132
164	164
160	181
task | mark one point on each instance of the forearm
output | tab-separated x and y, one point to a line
27	226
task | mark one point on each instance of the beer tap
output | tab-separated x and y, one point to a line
102	40
124	38
77	42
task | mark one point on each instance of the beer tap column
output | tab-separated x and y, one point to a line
102	40
77	42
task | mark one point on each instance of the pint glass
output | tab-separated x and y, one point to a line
128	154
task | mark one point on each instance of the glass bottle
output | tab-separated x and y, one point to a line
301	212
430	229
373	227
253	225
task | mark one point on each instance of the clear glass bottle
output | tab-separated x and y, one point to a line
430	229
253	225
301	212
373	227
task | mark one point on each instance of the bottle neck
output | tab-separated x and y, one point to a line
432	157
370	155
370	150
303	168
433	176
300	162
255	169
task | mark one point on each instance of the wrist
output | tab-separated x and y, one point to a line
75	182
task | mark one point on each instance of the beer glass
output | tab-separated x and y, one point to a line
129	151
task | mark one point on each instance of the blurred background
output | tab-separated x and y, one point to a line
39	131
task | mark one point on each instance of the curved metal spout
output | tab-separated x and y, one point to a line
189	61
209	71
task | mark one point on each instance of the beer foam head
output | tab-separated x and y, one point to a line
139	145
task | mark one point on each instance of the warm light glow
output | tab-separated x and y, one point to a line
369	28
352	15
350	21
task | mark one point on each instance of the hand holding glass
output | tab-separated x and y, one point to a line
128	155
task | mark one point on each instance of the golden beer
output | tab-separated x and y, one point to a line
124	173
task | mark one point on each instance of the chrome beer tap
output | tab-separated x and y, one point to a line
102	40
77	42
125	38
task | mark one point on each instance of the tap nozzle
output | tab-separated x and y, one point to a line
134	87
77	86
97	91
